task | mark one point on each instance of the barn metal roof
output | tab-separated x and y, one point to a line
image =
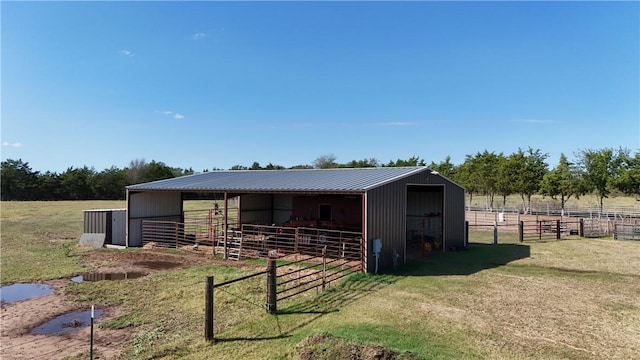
299	180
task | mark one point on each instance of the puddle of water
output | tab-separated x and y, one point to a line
66	323
157	265
107	276
21	291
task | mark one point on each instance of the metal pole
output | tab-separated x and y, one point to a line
208	309
91	350
521	231
324	267
495	232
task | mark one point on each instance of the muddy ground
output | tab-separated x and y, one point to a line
18	319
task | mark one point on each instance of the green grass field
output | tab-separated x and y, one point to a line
568	299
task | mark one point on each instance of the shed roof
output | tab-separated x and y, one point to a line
343	180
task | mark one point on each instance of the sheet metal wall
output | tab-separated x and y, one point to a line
386	217
151	206
256	209
282	208
110	222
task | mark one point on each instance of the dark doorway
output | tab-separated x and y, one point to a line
324	211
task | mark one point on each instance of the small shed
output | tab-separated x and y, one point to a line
411	210
111	222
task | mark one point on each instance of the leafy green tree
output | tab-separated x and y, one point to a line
110	184
17	180
469	177
371	162
563	182
239	167
628	178
271	166
157	171
136	171
445	168
505	179
325	162
528	169
49	186
77	183
482	170
599	169
412	161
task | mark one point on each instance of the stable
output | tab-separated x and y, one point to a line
398	212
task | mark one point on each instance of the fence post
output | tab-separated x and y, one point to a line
581	228
271	305
557	229
176	234
495	232
521	231
208	309
539	230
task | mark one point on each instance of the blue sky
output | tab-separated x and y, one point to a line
215	84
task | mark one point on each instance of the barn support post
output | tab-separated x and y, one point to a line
557	229
271	305
225	224
208	310
521	231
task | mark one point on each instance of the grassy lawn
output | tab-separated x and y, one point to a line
569	299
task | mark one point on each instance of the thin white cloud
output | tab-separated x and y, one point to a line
126	53
398	123
13	145
534	121
199	36
171	113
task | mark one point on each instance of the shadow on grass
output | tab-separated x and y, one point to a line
476	257
253	338
330	301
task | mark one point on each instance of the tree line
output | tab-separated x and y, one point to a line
489	174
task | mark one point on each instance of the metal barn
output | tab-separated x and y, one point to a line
411	210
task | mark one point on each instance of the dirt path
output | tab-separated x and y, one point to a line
18	319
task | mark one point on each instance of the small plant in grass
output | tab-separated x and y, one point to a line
67	248
146	339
